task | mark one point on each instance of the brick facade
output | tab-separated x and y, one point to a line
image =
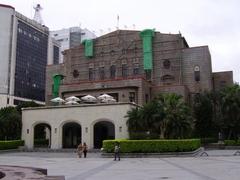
175	66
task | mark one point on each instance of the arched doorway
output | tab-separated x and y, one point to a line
72	135
103	130
42	135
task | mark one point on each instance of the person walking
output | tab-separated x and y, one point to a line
85	149
117	151
80	150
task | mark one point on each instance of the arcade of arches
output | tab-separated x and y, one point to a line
66	126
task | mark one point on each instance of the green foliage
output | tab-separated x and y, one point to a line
143	135
152	146
230	108
26	104
203	111
218	112
10	121
10	124
167	115
232	142
4	145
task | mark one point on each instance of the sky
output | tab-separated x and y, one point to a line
215	23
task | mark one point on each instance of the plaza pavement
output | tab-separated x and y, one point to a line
219	165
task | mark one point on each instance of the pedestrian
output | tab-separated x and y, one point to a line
80	150
117	151
85	149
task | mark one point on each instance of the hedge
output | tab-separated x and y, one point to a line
152	146
11	144
232	142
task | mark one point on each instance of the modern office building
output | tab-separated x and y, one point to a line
71	37
135	66
24	54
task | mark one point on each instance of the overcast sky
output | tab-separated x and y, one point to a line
215	23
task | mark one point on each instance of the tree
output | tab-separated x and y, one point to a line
10	124
25	105
166	115
230	108
176	119
203	111
134	121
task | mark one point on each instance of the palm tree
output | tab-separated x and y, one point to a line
134	121
177	117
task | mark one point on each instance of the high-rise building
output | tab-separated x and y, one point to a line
71	37
24	54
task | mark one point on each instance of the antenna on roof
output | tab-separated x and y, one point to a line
117	22
134	26
37	15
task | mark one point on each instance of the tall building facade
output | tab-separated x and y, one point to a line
71	37
134	66
24	54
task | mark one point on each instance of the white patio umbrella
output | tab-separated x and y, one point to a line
72	98
108	100
57	100
89	98
71	102
105	96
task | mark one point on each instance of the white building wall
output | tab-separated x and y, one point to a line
86	116
63	37
6	15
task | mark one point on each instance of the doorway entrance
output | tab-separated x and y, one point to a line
72	135
103	130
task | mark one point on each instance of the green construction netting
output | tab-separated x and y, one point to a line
146	36
88	44
56	83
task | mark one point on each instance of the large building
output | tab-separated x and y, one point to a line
23	50
71	37
134	66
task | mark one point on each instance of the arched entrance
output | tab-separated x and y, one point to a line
103	130
72	135
42	135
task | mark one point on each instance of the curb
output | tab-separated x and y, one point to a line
156	155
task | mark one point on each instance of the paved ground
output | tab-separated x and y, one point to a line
219	165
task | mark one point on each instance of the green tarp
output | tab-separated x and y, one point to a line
56	83
146	36
88	45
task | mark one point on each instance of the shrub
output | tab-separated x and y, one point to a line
152	146
232	142
11	144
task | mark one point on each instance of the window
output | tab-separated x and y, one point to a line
146	98
132	96
197	73
75	73
101	73
124	70
166	64
136	69
148	74
113	71
91	74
